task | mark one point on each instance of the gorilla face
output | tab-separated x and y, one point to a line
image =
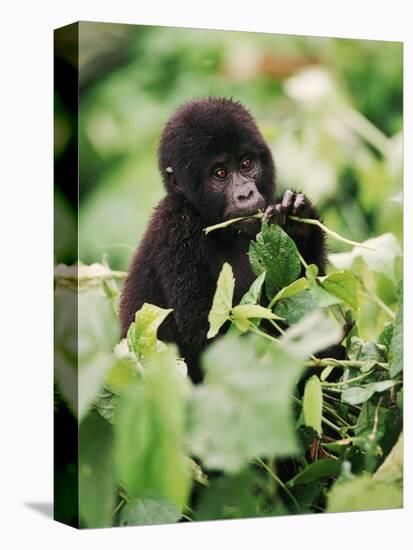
212	152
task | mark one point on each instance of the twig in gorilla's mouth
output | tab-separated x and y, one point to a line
221	225
259	215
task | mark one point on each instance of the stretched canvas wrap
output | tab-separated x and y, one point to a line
228	275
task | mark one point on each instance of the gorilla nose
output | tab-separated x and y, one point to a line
244	195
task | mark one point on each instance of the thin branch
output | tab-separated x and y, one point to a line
278	481
329	232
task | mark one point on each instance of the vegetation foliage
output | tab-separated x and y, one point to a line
252	439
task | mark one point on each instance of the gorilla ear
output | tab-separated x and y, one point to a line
172	183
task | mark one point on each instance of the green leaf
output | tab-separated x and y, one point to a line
321	296
222	302
343	285
149	511
313	404
321	469
96	472
142	334
363	350
275	253
385	337
396	348
312	333
230	498
81	387
252	296
244	408
364	493
294	308
359	394
253	311
97	325
381	259
91	378
392	467
149	433
291	290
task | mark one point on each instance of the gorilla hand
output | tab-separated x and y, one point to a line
291	204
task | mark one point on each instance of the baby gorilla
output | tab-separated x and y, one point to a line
216	166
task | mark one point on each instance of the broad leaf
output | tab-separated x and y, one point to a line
275	253
294	308
343	285
96	472
222	302
312	333
142	334
244	408
149	511
149	433
385	249
358	394
364	493
291	290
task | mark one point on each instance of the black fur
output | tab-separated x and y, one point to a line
177	265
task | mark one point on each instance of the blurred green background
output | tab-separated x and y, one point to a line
331	110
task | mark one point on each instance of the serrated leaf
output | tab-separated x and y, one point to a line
343	285
275	253
96	472
294	308
364	493
149	511
149	433
243	409
142	334
396	348
313	404
222	302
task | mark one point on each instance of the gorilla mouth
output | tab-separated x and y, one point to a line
241	213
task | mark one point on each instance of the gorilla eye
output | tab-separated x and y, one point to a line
246	164
221	173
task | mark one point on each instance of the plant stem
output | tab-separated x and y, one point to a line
329	232
345	363
303	262
253	328
345	382
278	481
221	225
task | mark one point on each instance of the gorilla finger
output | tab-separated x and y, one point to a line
287	200
299	204
274	213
